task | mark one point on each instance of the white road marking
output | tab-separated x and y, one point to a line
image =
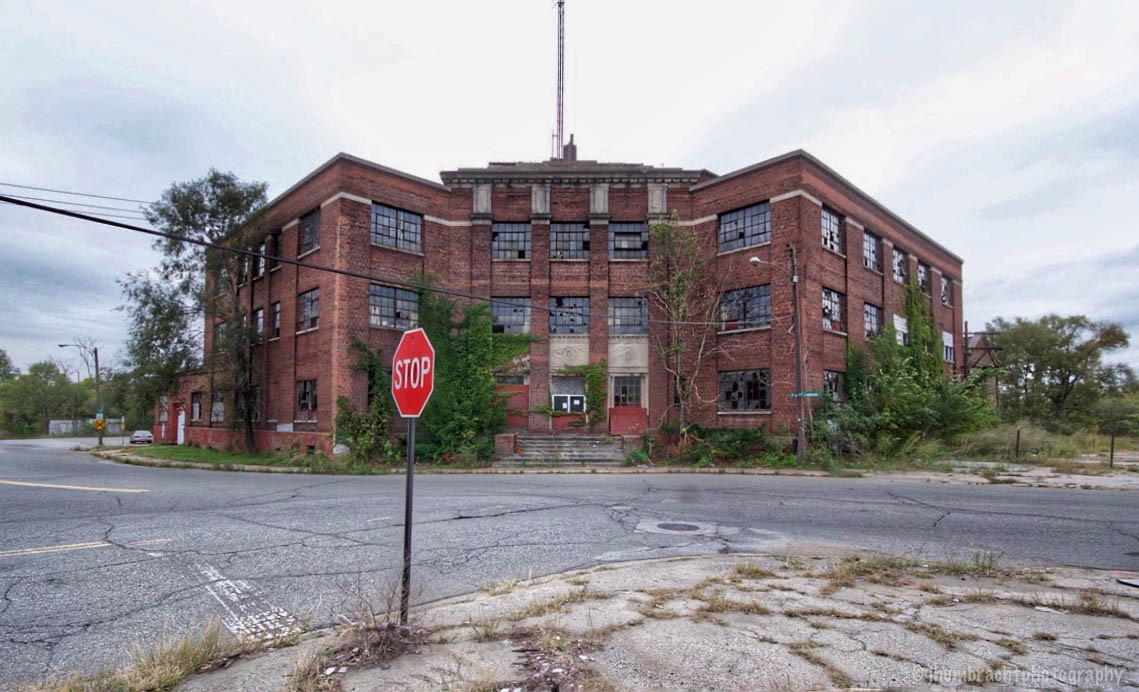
74	487
151	541
386	516
54	548
248	614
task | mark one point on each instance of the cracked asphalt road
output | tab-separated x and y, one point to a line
83	573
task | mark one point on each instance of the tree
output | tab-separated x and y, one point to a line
192	283
7	369
32	399
1052	369
684	290
464	412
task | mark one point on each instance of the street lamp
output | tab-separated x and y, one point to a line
800	430
98	397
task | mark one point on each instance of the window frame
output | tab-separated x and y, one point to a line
308	310
217	406
948	352
900	266
569	241
871	252
925	276
833	384
946	291
381	296
832	302
258	322
866	321
759	377
628	316
274	247
626	388
275	320
754	227
748	299
503	310
305	401
901	330
308	233
519	240
832	236
195	406
406	228
620	228
578	317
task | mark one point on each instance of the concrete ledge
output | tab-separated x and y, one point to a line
137	460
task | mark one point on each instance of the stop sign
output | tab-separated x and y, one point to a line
413	373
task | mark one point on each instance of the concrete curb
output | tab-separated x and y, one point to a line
136	460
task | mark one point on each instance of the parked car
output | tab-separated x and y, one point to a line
142	437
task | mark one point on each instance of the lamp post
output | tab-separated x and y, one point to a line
793	274
98	394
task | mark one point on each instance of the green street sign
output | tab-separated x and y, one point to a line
806	394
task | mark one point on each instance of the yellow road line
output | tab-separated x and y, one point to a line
75	487
54	548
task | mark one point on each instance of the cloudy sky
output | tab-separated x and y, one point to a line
1007	131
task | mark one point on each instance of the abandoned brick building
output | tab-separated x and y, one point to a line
572	235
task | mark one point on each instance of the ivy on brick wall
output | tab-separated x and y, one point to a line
367	433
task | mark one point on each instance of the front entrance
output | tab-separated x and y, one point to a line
628	415
181	426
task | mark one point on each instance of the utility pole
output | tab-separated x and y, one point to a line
800	434
98	393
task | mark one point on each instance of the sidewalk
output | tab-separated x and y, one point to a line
818	618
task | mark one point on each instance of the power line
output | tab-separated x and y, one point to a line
319	267
76	204
80	194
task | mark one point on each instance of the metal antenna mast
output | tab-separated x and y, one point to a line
558	141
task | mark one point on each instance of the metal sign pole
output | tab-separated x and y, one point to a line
405	587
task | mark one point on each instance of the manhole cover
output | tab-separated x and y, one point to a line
668	526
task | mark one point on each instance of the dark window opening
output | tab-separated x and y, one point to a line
745	227
628	316
745	390
510	315
394	308
745	308
569	315
628	241
510	241
396	228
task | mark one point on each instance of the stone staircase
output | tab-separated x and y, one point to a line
565	450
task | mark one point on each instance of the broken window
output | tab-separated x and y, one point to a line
569	315
569	241
308	309
306	400
567	393
627	390
745	308
628	316
217	407
901	267
745	390
832	232
308	232
394	308
510	315
872	320
745	227
275	320
834	311
196	406
510	241
628	241
396	228
871	251
947	352
946	291
833	384
923	278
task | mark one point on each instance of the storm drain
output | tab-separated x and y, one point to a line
670	526
684	528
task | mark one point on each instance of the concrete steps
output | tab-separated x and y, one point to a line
565	450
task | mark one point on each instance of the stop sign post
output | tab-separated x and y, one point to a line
413	380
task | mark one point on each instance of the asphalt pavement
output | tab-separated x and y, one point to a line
95	555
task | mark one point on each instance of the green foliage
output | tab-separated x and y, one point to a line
7	369
898	395
367	434
1052	370
718	446
1118	415
465	412
30	400
596	390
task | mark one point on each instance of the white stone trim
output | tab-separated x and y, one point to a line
797	193
290	224
345	195
445	222
851	222
702	219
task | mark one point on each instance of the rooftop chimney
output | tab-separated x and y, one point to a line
569	151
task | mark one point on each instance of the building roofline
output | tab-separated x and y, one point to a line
341	156
807	156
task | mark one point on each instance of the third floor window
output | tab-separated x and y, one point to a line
871	251
510	241
569	241
308	232
628	241
832	232
745	308
901	266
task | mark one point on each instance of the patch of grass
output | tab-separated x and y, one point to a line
557	604
805	650
947	639
499	587
162	666
1012	645
486	631
750	570
227	460
982	564
887	570
1091	602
